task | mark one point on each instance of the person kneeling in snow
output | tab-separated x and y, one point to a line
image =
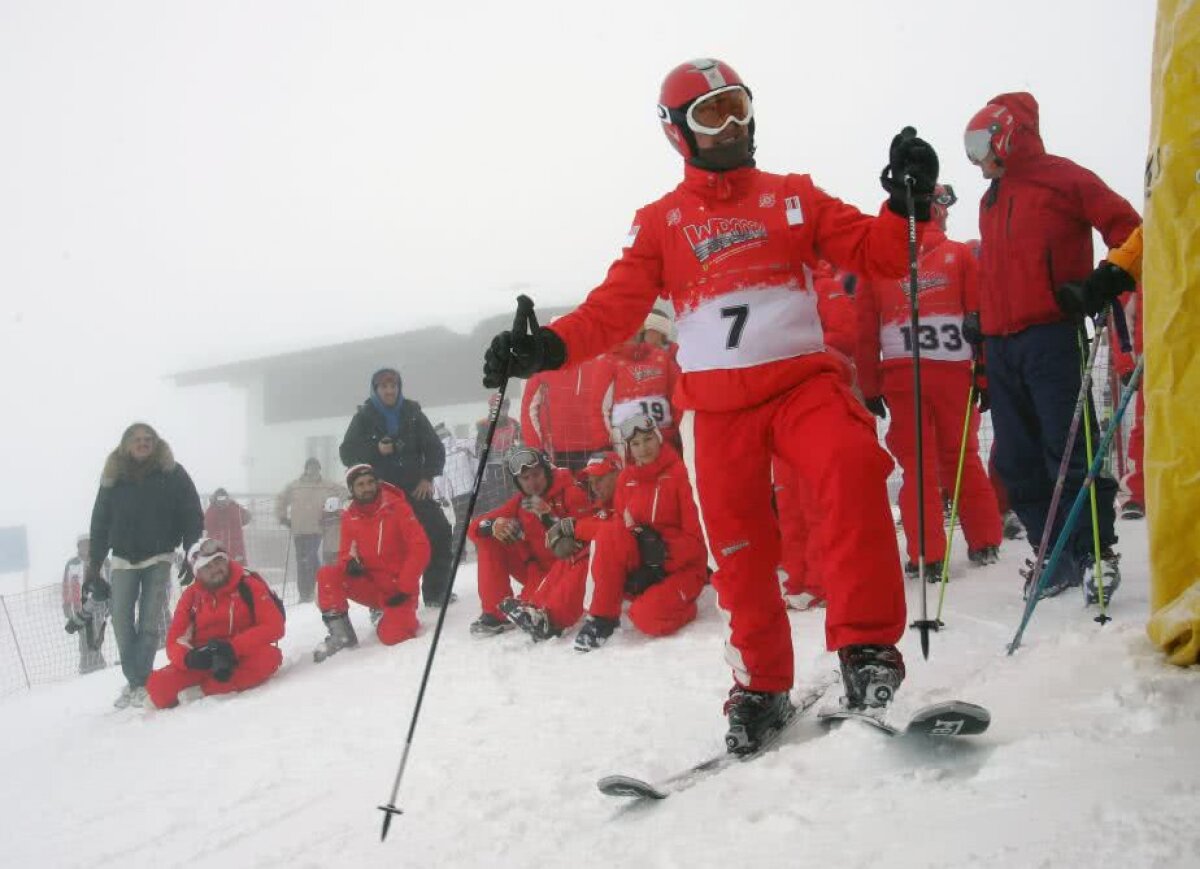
653	551
222	637
382	555
548	606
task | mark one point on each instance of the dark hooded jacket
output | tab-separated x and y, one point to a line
419	453
145	509
1036	224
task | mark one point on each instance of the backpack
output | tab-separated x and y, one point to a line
248	596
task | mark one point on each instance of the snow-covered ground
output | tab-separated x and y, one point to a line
1092	757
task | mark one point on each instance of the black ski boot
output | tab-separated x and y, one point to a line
870	674
984	555
754	716
1066	575
1133	510
933	571
341	636
1013	529
488	625
595	633
530	619
1110	572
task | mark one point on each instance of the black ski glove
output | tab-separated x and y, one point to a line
522	356
354	567
972	331
1096	292
97	588
652	549
910	156
198	659
397	599
642	578
877	406
223	659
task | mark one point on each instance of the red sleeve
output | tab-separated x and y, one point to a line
1107	211
866	348
416	547
587	527
531	405
871	247
345	539
268	620
179	634
617	308
969	269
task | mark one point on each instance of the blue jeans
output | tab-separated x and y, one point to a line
138	599
1034	381
308	559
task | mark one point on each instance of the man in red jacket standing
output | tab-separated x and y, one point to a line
645	376
222	637
734	248
567	414
1035	222
382	555
947	282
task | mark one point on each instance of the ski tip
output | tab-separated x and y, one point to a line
627	786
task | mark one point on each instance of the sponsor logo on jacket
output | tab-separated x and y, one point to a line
723	234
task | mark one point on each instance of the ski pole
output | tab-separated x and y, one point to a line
1060	482
1077	507
525	320
962	455
287	560
1102	618
923	624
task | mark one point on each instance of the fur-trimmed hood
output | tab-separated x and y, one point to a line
120	465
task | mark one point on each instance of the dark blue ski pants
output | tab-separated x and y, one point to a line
1034	380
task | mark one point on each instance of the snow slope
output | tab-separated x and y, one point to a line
1092	757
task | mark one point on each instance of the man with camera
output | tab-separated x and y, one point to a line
223	634
390	433
85	607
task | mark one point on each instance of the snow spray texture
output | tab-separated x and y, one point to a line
1171	272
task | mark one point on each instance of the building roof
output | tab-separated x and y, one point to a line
439	367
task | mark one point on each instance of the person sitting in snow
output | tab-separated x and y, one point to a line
550	605
653	551
382	555
223	634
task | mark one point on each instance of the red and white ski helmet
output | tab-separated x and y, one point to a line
684	85
990	130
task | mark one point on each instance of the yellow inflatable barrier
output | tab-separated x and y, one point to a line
1171	281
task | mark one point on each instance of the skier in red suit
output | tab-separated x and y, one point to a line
644	382
567	414
382	555
947	280
733	249
511	540
653	551
223	634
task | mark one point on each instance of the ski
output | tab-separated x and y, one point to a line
629	786
938	720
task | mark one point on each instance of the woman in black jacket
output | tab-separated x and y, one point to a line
391	434
147	505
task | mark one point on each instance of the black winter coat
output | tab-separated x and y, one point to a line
138	516
419	454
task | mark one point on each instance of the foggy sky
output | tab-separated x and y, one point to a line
183	184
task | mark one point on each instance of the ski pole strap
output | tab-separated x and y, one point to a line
1122	327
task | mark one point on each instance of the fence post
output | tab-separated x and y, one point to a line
16	642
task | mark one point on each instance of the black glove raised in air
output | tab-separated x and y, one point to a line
515	355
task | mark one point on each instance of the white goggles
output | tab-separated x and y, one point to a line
978	144
717	109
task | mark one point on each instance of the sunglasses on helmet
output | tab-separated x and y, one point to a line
638	423
716	110
522	459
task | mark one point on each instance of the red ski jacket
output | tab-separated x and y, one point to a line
388	540
202	615
734	252
947	288
565	497
644	382
1035	227
836	308
224	522
569	410
659	495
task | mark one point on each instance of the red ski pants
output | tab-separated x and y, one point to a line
499	564
663	608
829	439
560	591
797	558
164	685
944	403
336	588
1134	481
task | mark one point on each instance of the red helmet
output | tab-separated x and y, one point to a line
991	131
684	85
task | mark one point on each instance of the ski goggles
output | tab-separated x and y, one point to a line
944	195
639	423
717	109
206	550
522	459
978	144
